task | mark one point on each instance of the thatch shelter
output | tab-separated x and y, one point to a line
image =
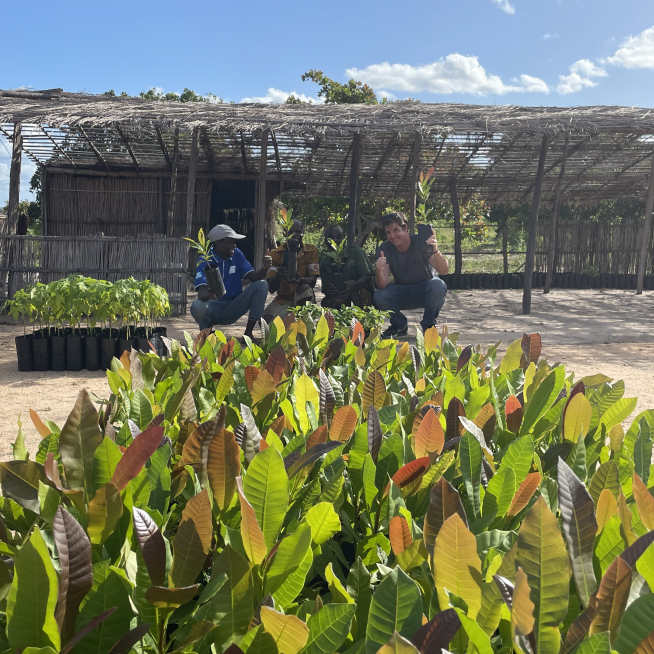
122	165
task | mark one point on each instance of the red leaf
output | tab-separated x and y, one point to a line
318	436
358	335
409	473
399	534
250	373
139	451
513	413
524	494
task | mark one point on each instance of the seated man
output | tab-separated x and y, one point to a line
297	290
357	273
412	265
210	310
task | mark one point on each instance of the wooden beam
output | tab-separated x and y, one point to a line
95	150
44	202
312	154
347	158
382	160
61	150
14	178
173	186
278	159
163	147
555	219
645	236
409	163
354	189
192	172
162	207
127	145
208	150
244	157
458	255
533	227
415	163
260	212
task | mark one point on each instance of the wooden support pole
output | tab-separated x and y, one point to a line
173	187
44	202
646	233
14	178
415	163
458	255
260	213
161	222
354	190
190	191
555	219
505	246
533	227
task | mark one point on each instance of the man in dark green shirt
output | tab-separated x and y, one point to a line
356	270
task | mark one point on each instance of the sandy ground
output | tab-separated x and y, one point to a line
591	331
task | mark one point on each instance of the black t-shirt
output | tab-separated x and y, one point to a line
410	267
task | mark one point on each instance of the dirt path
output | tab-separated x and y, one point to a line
611	332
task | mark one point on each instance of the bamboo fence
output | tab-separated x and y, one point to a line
25	260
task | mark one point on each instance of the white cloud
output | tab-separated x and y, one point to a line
505	6
533	84
275	95
547	36
636	52
455	73
580	77
385	94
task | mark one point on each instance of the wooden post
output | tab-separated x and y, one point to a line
645	235
173	187
505	246
44	203
160	225
555	219
416	165
533	226
190	192
354	190
458	255
14	178
260	213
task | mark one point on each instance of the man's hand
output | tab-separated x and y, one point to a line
347	292
331	289
433	242
381	262
267	260
281	272
204	294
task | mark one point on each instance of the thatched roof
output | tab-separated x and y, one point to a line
489	150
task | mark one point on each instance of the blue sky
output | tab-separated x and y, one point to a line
534	52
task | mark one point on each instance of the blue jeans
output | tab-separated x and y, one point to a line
429	294
226	311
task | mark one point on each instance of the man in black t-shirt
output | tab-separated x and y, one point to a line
413	265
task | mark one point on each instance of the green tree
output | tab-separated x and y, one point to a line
333	92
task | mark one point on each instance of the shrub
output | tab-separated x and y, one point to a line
321	494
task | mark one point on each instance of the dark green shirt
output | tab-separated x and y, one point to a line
357	264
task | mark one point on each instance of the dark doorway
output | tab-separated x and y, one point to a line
232	203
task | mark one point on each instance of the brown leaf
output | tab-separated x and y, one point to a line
524	493
531	347
138	452
38	423
343	424
513	413
486	421
226	352
454	427
152	545
223	467
278	424
374	392
374	433
76	570
444	503
437	634
579	628
646	646
318	436
125	643
522	613
275	363
464	357
429	438
399	534
250	373
437	400
357	334
612	596
263	387
170	598
327	398
420	416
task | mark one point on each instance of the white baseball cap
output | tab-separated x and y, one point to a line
220	232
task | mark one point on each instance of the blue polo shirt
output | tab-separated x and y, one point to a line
232	271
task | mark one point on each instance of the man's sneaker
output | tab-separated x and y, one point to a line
395	332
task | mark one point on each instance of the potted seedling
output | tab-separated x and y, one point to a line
41	342
211	272
337	255
285	221
21	307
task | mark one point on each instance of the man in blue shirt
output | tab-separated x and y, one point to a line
210	310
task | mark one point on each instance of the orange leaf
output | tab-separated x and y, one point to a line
275	363
513	413
253	540
250	373
138	452
399	534
429	437
318	436
358	334
607	507
124	359
486	421
422	412
531	347
644	502
38	423
227	351
437	399
344	423
263	444
525	492
278	424
191	449
432	340
410	472
223	466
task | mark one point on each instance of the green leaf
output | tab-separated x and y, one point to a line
519	456
266	487
358	587
499	492
105	460
606	476
637	623
542	555
329	628
396	606
610	543
18	448
20	481
543	398
324	522
470	459
32	597
597	644
389	460
618	412
78	441
643	451
292	586
140	410
288	558
475	633
110	588
579	527
105	509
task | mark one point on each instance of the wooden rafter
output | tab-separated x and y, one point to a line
473	152
95	150
163	147
312	154
59	149
409	163
347	157
33	157
206	147
125	140
382	160
244	158
278	160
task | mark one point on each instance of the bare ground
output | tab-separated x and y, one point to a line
592	331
